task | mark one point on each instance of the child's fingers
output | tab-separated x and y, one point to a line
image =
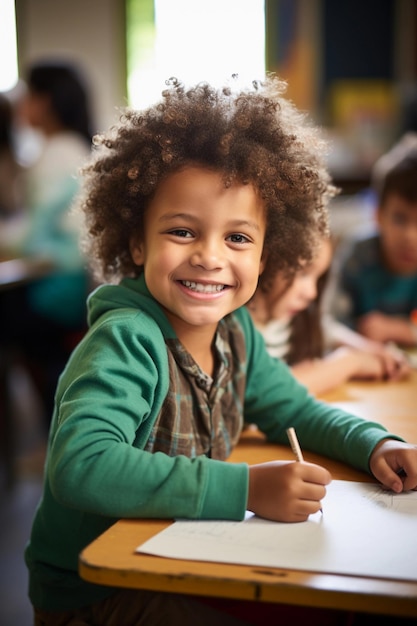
309	490
394	464
287	491
315	474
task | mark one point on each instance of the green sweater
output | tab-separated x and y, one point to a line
108	398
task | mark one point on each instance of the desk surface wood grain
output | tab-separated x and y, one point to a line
111	559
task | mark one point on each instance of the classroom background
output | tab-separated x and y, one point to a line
350	65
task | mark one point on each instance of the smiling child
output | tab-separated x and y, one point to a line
187	205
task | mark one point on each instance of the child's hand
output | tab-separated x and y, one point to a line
379	327
358	364
286	491
394	464
395	363
384	364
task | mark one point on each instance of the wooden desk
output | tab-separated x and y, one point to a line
16	272
111	560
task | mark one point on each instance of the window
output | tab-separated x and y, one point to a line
192	40
8	48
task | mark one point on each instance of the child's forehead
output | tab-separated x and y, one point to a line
194	189
198	180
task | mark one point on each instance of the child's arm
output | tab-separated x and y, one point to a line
338	334
343	364
380	327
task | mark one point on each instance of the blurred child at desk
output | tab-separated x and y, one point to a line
287	312
44	318
186	204
378	276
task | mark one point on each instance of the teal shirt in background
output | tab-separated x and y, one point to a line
370	287
53	230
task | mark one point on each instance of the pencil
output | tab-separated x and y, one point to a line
295	446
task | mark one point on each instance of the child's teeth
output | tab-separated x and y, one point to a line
202	288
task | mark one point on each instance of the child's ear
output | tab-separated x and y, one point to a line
137	251
262	263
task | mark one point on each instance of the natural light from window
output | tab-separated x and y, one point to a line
8	48
195	40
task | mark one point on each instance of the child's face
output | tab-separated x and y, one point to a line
286	302
202	247
35	110
397	220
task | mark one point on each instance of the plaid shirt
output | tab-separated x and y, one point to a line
202	415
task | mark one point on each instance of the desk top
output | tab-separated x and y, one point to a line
15	272
111	559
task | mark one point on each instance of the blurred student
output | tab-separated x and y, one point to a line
289	316
42	318
379	274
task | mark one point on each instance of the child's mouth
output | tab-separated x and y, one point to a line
202	288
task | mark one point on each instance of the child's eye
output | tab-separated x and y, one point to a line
181	232
238	238
399	219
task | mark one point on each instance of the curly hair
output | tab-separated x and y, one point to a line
251	136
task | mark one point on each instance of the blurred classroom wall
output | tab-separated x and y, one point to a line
352	64
91	32
349	63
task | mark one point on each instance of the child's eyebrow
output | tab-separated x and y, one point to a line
245	223
233	224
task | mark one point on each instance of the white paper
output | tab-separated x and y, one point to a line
364	531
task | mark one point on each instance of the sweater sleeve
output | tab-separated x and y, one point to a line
275	401
108	399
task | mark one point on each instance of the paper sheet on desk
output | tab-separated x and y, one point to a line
364	531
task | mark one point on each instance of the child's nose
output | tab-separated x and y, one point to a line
207	254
